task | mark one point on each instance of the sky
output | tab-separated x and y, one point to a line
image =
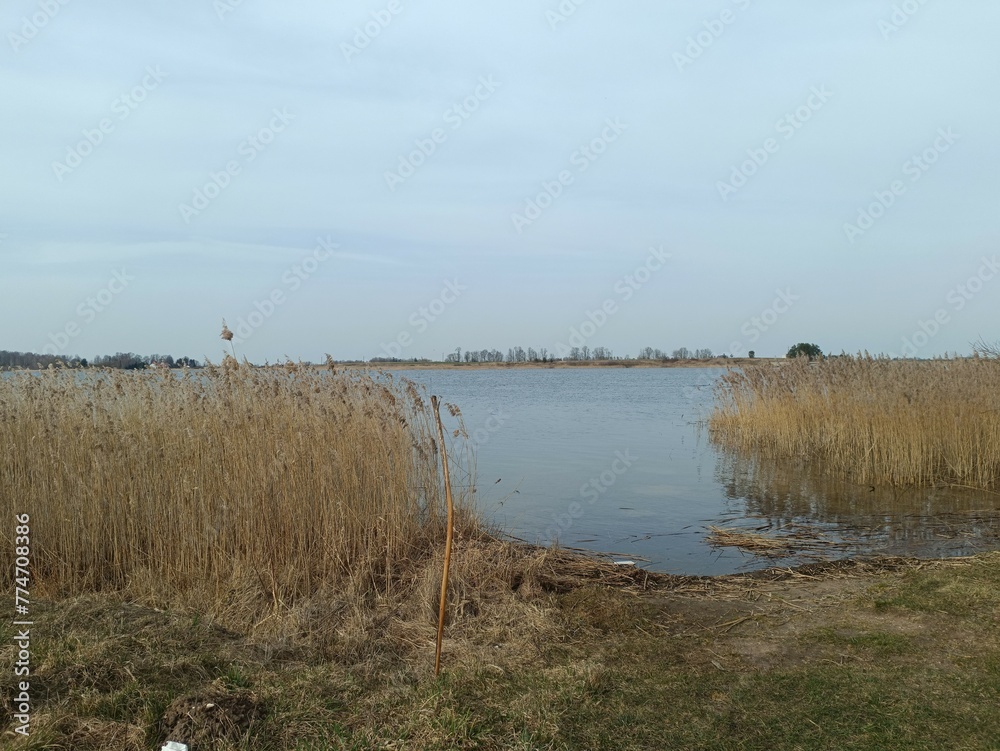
402	178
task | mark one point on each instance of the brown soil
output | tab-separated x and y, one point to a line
210	716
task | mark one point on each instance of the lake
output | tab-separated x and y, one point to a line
618	460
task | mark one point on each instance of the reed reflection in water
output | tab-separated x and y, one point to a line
772	494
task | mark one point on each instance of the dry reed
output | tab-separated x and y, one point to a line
264	485
875	420
436	406
794	540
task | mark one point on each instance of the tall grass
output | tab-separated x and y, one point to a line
283	480
876	420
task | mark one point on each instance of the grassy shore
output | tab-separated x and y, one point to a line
886	654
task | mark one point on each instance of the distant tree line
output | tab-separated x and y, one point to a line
132	361
120	360
400	359
681	353
520	354
514	354
28	359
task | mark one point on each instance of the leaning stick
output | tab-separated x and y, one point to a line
447	543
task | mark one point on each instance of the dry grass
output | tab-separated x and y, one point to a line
835	655
876	420
237	491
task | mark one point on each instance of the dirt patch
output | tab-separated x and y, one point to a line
210	716
824	613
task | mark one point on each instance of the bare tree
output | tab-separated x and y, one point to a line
986	349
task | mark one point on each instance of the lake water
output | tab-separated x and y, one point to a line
618	460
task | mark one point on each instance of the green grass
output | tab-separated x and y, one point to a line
977	590
877	643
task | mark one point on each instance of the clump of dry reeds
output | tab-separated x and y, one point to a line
876	420
793	539
258	485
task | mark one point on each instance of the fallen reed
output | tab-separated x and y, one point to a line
872	419
253	485
792	539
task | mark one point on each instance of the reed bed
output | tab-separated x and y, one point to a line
874	420
259	486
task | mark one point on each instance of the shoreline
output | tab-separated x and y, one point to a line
715	362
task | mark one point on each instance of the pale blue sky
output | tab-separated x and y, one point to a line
507	94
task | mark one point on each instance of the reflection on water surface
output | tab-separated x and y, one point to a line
910	521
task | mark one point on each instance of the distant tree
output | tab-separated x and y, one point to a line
703	354
602	353
122	360
532	355
648	353
804	349
752	354
543	354
682	353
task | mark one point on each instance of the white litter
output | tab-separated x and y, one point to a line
174	746
624	563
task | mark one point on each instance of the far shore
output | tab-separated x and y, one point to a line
715	362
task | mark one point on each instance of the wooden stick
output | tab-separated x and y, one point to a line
447	543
